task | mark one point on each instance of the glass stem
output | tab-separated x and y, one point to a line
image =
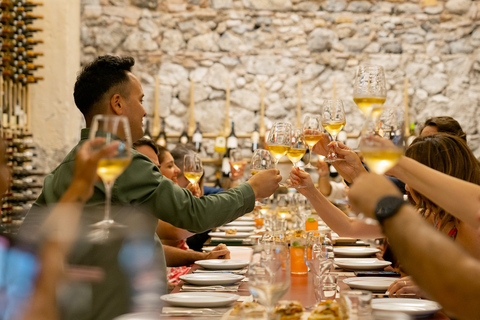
108	200
309	156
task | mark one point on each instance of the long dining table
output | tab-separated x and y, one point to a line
301	289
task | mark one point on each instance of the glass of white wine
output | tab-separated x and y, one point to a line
236	159
269	274
112	128
369	91
278	140
192	168
312	132
383	141
298	148
333	120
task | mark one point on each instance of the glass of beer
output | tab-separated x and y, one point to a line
192	168
369	91
113	129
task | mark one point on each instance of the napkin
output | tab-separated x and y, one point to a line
189	287
238	271
194	311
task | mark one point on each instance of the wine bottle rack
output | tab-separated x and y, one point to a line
18	40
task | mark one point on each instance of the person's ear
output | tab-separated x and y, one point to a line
117	104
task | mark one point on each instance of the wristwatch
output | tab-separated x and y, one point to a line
387	207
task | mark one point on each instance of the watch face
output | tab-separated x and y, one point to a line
388	206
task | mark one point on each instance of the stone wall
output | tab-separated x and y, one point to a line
279	41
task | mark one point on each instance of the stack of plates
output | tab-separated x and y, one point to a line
222	264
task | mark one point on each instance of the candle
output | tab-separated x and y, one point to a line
156	110
191	124
262	109
299	103
227	106
405	99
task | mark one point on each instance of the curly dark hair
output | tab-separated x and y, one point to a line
97	78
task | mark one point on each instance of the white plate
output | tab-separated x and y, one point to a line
370	283
355	251
361	264
139	316
200	299
241	223
236	252
245	218
225	235
219	264
203	279
239	228
414	307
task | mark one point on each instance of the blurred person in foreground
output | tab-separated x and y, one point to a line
442	268
32	295
107	86
177	254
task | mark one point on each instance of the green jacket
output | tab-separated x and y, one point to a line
140	188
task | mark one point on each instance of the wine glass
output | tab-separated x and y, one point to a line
369	91
278	140
192	168
317	256
333	120
269	274
298	147
312	132
112	128
261	160
382	142
236	159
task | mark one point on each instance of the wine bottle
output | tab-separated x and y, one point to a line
197	137
220	144
232	141
147	133
162	136
184	136
255	135
226	165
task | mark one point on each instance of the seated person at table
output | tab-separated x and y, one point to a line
107	86
445	153
442	268
177	254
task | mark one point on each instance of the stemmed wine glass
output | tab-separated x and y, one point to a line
312	131
278	140
192	168
269	274
369	91
317	257
333	120
382	142
261	160
297	150
112	128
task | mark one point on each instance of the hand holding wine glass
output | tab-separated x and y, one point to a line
333	120
112	129
192	168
